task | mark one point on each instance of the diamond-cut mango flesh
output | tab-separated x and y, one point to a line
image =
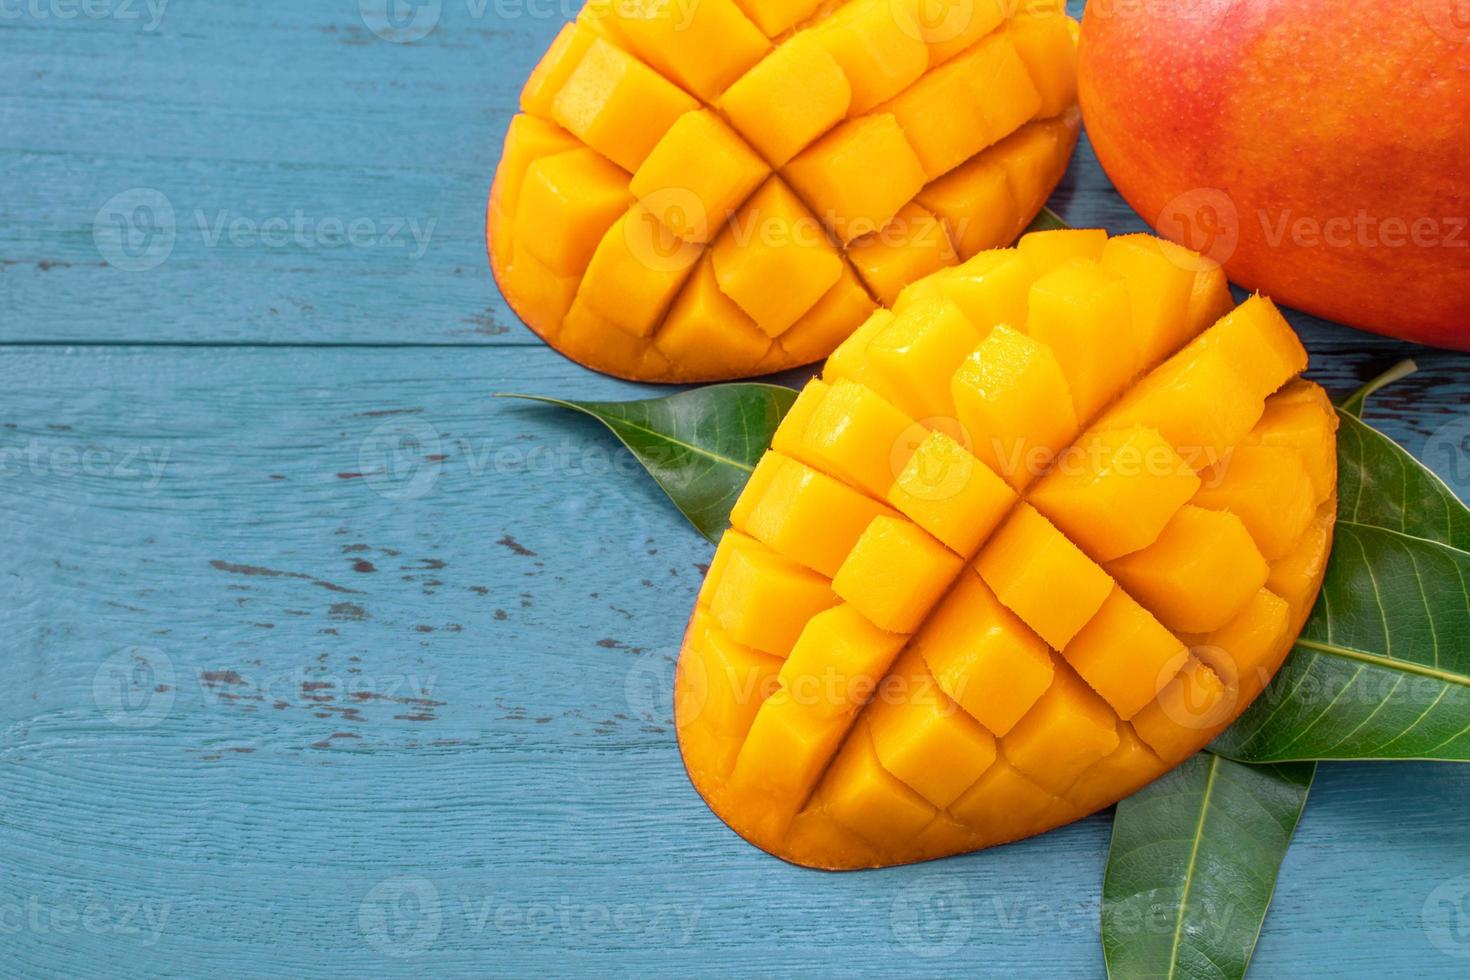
959	606
733	189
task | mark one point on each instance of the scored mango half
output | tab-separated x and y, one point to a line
707	189
1037	534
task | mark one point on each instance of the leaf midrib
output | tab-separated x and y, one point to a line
1199	829
1389	663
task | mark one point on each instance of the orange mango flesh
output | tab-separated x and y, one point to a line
732	189
931	632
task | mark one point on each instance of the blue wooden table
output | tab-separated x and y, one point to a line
319	662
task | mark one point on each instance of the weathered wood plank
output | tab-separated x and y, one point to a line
389	677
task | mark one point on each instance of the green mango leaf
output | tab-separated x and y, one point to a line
700	445
1382	669
1381	485
1046	220
1193	864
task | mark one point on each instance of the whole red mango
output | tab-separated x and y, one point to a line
1320	149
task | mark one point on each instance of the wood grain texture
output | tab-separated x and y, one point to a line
320	663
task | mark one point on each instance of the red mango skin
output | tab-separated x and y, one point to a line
1320	149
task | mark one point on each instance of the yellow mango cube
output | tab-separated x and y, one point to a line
858	176
974	202
764	600
984	94
578	190
1130	767
951	27
736	681
1246	651
928	741
703	46
1197	401
1186	713
838	661
1159	288
810	517
949	493
786	752
1048	250
775	17
910	247
854	435
991	289
686	336
860	794
1258	342
1295	575
1042	577
1068	730
697	175
983	657
850	359
879	46
528	140
1003	803
771	462
730	542
1301	417
1045	44
1269	489
1211	297
924	343
617	105
775	238
1079	310
795	94
538	97
1199	573
822	328
1114	491
636	271
895	574
1125	654
1011	396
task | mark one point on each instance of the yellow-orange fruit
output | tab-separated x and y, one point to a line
729	188
982	585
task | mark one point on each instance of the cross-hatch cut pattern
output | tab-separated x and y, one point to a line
725	188
1035	536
